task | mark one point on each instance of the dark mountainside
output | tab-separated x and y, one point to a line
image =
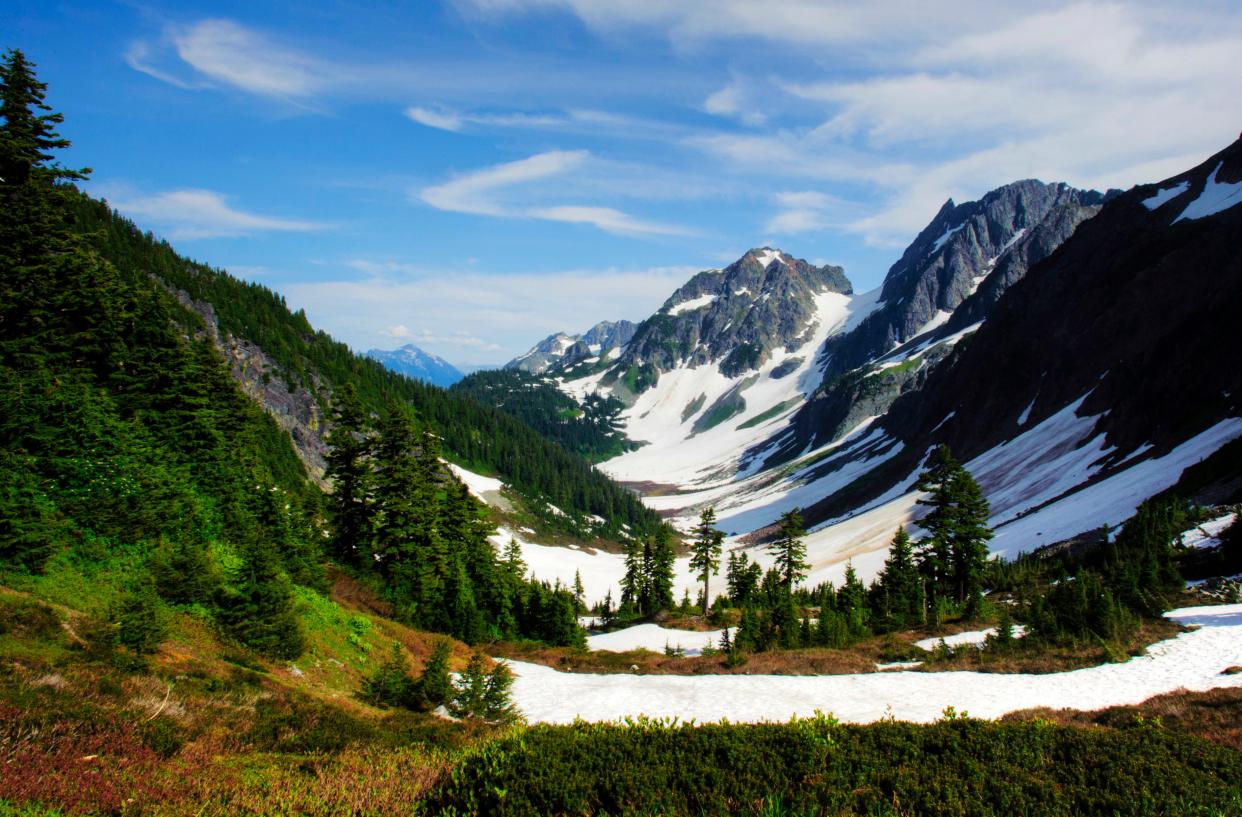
1135	311
961	263
416	364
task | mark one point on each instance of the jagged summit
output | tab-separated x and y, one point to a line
559	350
736	316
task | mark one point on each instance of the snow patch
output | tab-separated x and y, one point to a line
1167	194
1193	660
692	304
946	236
485	489
975	638
1215	198
655	638
1208	534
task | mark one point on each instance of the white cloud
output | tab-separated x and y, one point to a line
186	214
734	101
232	54
605	218
508	313
803	212
474	192
439	119
483	192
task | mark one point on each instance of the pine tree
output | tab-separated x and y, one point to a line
659	562
435	686
634	583
470	698
349	468
705	551
513	560
498	704
29	130
391	684
900	591
139	620
260	611
790	550
952	558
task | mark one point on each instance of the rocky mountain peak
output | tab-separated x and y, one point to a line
736	315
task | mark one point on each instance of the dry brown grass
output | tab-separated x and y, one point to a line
1215	715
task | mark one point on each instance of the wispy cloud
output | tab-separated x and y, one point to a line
803	212
429	306
482	192
234	55
439	119
187	214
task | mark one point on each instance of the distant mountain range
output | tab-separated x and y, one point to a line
602	341
413	362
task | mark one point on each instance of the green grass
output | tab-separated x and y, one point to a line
767	415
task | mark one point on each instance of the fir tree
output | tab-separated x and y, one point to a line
705	551
900	590
139	620
658	564
513	560
952	558
789	549
470	697
349	468
435	686
391	684
260	611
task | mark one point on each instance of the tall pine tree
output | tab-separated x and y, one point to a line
705	551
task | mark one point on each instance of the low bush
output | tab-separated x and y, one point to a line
955	767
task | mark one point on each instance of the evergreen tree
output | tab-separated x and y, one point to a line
513	560
470	697
403	500
435	686
790	550
349	468
634	590
953	557
139	620
260	611
498	704
705	551
184	573
659	561
28	134
391	684
900	590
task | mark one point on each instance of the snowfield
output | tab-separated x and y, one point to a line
1192	661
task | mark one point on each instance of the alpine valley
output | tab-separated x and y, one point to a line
967	543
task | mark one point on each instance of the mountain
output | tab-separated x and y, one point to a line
416	364
941	289
560	350
1103	376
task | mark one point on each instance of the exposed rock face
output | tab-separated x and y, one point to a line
294	408
737	316
416	364
948	261
947	281
562	350
1134	314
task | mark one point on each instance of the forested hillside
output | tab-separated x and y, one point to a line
475	435
590	429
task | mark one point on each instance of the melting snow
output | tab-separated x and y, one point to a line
478	484
1193	661
974	637
692	304
1215	198
1167	194
654	637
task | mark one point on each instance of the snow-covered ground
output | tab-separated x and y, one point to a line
1192	661
655	638
974	637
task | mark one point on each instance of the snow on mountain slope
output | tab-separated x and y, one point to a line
679	450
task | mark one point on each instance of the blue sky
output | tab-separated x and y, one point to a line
471	175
